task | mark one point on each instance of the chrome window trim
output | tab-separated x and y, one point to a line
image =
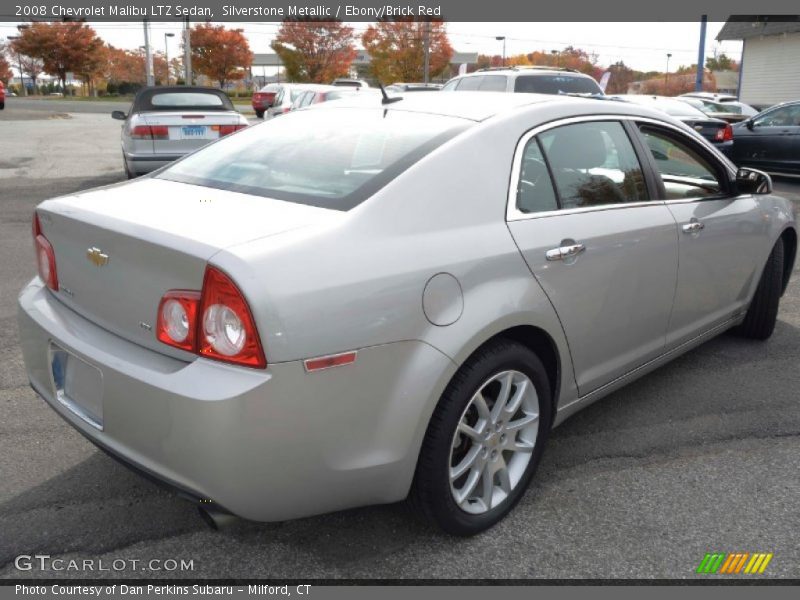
514	214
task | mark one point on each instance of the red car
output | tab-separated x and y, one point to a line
2	96
264	98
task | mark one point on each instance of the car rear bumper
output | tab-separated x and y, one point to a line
267	445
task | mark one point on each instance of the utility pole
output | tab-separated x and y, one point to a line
698	81
666	73
23	90
166	51
148	56
187	53
426	40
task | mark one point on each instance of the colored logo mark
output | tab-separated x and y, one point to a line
734	563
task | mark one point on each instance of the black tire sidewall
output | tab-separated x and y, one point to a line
502	357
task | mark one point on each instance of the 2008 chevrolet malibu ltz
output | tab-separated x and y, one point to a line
376	300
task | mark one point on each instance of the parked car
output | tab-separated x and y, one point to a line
716	131
356	304
346	82
2	96
727	112
167	122
326	93
287	94
414	87
746	109
770	140
539	80
263	98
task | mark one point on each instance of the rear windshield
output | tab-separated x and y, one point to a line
155	99
329	158
556	84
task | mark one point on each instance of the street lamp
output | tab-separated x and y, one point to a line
24	90
666	73
557	54
166	52
502	38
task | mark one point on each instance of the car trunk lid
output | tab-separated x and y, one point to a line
187	131
708	128
119	249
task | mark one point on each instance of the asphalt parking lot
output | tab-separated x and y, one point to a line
699	456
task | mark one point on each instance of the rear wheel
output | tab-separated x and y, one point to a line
759	322
260	114
128	173
484	440
2	105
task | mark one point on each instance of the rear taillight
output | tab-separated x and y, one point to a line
226	129
150	132
215	323
177	319
725	134
45	257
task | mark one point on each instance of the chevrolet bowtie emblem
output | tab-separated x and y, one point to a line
96	257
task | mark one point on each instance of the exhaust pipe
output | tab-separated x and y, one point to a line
215	517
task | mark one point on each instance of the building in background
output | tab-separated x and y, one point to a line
770	66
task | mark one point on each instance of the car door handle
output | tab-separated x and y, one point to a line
693	227
565	252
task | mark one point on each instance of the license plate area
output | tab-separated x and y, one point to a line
78	385
194	132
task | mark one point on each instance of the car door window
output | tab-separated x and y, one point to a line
535	191
470	84
683	170
787	116
594	164
493	83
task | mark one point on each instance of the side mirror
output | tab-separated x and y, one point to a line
118	115
752	181
749	124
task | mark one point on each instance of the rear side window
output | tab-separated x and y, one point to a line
594	164
556	84
493	83
535	191
333	158
450	85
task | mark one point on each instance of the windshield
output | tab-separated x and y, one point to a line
556	84
318	157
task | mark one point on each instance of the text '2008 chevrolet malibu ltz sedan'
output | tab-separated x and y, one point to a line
376	300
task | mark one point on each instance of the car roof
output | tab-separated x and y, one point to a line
479	106
533	70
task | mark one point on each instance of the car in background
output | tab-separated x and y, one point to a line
746	109
728	111
263	98
325	93
286	96
2	96
168	122
413	87
358	305
770	140
716	131
538	80
347	82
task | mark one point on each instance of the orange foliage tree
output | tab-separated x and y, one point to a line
219	53
313	50
396	49
62	47
5	68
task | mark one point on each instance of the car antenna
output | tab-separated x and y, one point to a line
386	98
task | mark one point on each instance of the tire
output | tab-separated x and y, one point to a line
128	173
759	322
2	105
260	114
444	451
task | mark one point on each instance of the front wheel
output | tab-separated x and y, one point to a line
484	440
260	114
759	322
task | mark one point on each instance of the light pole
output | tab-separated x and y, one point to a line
557	56
24	90
502	38
166	52
666	73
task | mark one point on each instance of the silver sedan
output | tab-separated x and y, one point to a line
166	123
376	300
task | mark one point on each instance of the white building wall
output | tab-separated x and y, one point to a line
771	69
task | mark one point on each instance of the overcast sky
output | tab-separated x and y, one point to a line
643	46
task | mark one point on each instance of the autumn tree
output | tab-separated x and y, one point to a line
313	50
621	77
5	67
32	67
62	47
219	53
721	63
397	52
